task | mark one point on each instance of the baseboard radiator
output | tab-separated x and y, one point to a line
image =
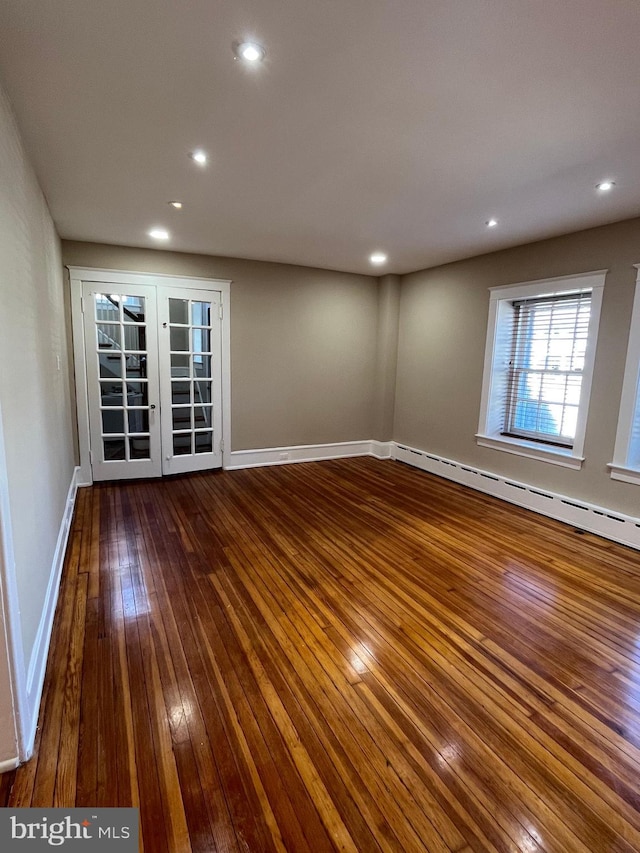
584	516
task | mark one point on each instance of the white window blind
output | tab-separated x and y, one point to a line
549	339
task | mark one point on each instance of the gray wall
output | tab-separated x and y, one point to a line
34	392
386	355
442	333
303	343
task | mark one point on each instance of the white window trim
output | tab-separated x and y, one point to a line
500	302
619	468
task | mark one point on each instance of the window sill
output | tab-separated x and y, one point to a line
627	475
532	450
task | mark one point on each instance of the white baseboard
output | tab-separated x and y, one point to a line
38	661
382	449
308	453
10	764
604	522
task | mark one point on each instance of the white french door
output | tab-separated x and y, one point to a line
190	381
153	357
121	346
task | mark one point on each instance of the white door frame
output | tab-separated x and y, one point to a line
78	275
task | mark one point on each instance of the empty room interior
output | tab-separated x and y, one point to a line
320	422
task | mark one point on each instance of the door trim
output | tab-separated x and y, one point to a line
78	275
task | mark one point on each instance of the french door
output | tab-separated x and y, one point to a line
154	379
121	345
190	381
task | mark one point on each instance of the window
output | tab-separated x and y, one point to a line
546	366
538	367
626	457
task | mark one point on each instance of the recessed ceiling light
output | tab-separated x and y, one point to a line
159	234
605	186
378	258
176	204
491	223
199	156
249	50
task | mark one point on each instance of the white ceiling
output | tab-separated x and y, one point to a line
372	124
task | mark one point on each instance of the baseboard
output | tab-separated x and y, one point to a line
308	453
604	522
382	449
9	764
38	661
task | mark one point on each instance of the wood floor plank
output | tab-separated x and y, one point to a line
66	771
350	655
7	780
87	774
52	709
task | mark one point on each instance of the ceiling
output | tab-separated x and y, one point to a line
399	126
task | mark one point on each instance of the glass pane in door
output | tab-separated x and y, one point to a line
133	309
180	391
138	393
179	312
110	365
201	340
202	391
109	336
201	313
202	365
139	447
108	308
113	449
135	338
179	339
180	365
182	444
204	442
112	421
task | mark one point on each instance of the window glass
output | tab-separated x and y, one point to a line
549	340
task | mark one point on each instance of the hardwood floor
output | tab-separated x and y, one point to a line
347	655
